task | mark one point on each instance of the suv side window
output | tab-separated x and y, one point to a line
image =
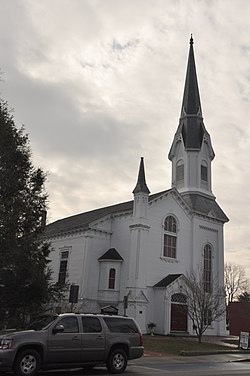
70	324
91	325
120	325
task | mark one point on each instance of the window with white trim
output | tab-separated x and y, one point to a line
207	270
208	317
63	267
170	237
112	273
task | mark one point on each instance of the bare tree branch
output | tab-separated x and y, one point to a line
203	307
236	281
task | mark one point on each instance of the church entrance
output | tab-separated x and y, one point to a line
178	313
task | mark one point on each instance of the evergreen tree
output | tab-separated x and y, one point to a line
244	297
25	276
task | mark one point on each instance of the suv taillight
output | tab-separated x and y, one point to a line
141	339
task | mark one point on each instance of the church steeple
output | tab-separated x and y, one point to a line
191	152
191	114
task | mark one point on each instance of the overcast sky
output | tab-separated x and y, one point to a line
99	83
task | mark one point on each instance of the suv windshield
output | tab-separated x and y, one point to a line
42	323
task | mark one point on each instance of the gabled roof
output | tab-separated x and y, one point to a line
111	254
83	220
167	280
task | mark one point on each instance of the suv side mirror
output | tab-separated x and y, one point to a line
58	329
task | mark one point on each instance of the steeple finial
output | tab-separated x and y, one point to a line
141	185
191	40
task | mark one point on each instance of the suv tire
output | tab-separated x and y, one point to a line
27	363
117	361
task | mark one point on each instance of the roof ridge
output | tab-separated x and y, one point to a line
83	219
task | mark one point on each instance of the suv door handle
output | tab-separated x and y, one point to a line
100	337
76	338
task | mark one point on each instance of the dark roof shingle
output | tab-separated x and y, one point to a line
111	254
167	280
205	206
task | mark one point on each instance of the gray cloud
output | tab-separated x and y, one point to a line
99	84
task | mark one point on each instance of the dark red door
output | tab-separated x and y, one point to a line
178	317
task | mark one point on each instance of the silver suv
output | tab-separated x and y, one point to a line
72	340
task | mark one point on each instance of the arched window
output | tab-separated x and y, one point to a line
111	278
208	317
170	237
180	171
179	298
63	267
207	268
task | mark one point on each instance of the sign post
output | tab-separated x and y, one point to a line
244	337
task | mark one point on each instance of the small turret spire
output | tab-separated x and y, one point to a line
191	40
141	185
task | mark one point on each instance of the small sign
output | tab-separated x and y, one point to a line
109	310
244	336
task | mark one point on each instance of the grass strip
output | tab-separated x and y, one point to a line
173	345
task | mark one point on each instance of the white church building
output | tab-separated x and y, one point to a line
140	249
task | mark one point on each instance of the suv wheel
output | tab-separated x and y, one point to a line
27	363
117	361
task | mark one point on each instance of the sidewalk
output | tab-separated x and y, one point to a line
212	358
235	356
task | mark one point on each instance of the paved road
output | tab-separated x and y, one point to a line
208	365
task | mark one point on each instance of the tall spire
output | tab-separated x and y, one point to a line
191	151
141	185
191	104
191	115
